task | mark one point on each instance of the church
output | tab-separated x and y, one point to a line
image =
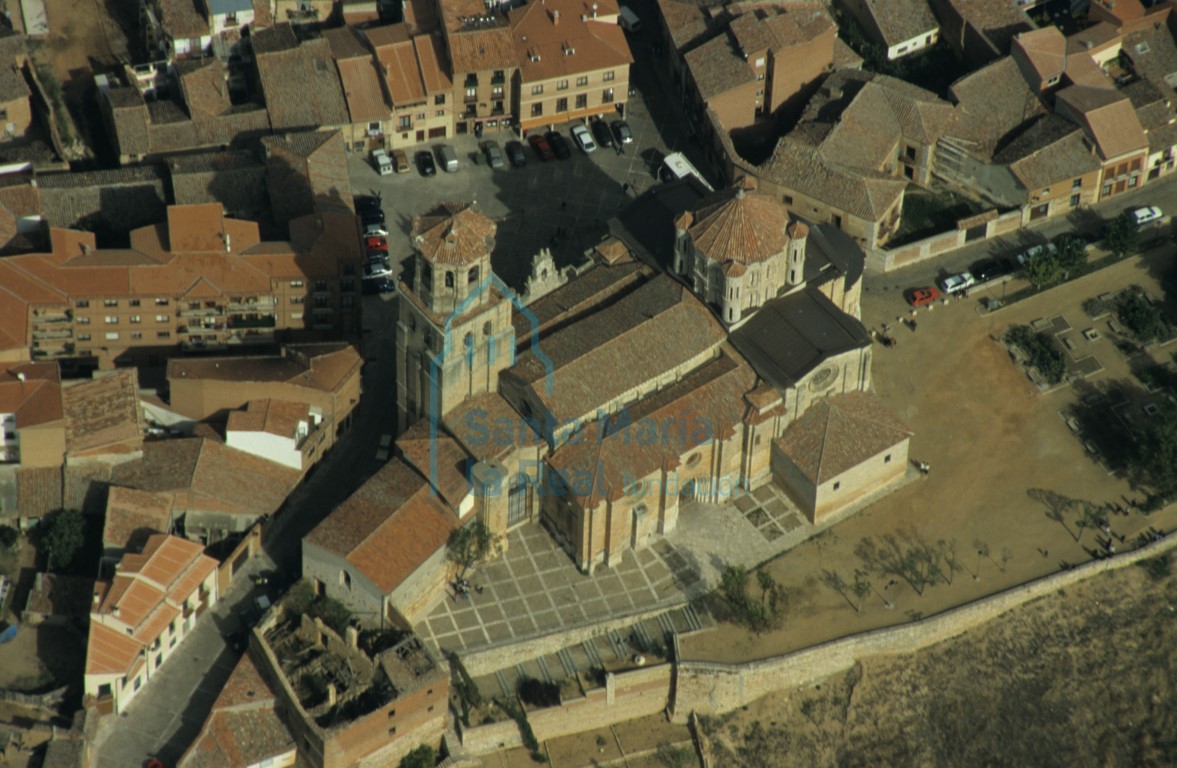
636	386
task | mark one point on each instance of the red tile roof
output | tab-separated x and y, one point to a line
133	515
390	526
453	234
837	434
102	412
741	227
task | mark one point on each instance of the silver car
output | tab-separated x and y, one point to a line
494	154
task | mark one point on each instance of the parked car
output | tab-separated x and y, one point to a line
1025	256
559	145
375	230
378	285
367	203
447	158
991	269
622	132
377	269
957	283
583	139
375	243
516	154
601	132
425	164
372	217
1147	215
494	155
919	297
541	146
400	161
374	256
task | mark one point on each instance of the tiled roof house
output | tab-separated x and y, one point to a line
140	617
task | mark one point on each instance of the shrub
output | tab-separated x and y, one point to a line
1157	568
1043	355
423	756
8	536
1095	308
1144	318
64	537
538	693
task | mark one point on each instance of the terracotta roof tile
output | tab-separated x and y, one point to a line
39	490
646	334
421	446
656	432
901	20
453	234
735	226
861	192
301	86
837	434
1153	54
431	60
398	59
998	20
102	412
388	527
243	729
489	428
583	40
993	102
277	417
133	515
1044	49
1051	151
717	67
180	18
1108	117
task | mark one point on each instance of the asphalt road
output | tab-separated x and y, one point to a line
166	717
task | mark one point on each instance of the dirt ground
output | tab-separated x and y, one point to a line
1086	677
990	437
632	743
84	39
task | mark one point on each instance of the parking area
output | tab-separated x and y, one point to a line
563	205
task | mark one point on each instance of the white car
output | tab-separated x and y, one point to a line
375	230
1026	256
583	139
1147	215
373	270
956	283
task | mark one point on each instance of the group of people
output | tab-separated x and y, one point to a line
462	590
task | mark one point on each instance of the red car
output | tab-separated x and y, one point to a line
541	147
919	297
376	244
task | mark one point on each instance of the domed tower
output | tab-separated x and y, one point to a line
795	265
454	334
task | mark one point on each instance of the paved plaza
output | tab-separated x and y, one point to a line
535	590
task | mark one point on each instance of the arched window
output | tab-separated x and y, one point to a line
472	275
486	328
449	279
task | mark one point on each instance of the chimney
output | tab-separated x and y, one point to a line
594	10
555	18
332	695
353	637
228	243
21	377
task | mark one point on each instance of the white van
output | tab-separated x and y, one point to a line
629	20
382	162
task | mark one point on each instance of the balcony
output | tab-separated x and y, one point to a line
201	329
52	316
498	79
202	311
250	337
52	333
200	345
471	111
253	305
252	321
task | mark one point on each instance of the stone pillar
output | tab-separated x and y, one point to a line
489	481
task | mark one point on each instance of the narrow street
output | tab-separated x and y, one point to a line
165	718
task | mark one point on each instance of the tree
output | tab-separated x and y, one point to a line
1123	236
757	615
1044	270
422	757
670	756
1071	254
1144	318
8	536
64	536
470	545
1153	463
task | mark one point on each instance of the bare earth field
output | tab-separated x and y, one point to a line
1086	677
992	438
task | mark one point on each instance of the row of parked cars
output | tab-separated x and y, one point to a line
377	277
990	269
546	146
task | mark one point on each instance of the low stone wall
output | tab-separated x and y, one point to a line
488	661
891	259
711	688
626	696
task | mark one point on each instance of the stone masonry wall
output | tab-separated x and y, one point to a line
713	688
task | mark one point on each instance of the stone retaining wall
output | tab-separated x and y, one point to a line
710	688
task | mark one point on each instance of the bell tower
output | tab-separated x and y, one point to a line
454	333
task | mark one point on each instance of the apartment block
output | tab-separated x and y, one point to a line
197	282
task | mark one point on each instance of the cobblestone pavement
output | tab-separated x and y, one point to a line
534	589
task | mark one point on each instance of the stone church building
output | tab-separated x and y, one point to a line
602	406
